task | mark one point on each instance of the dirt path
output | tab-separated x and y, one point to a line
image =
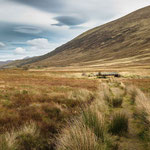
131	140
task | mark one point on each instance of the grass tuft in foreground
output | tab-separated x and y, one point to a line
95	121
142	113
26	138
78	137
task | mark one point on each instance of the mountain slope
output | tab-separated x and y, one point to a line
123	42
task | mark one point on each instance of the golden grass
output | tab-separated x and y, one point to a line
10	140
142	83
36	105
46	98
77	137
90	129
143	105
141	101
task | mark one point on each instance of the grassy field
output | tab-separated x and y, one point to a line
46	98
64	110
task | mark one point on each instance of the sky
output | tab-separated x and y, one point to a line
35	27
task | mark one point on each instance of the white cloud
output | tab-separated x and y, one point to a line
40	43
34	47
41	46
2	44
20	51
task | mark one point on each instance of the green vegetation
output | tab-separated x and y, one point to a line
95	122
119	124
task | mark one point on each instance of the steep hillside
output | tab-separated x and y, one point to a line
123	42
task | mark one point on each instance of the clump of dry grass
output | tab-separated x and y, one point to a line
113	100
132	91
28	137
99	103
29	128
78	137
16	140
142	114
80	95
95	121
142	106
8	141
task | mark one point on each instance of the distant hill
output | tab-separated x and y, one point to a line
123	42
5	62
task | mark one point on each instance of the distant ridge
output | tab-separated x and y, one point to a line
5	62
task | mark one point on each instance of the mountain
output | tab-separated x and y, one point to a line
5	62
123	42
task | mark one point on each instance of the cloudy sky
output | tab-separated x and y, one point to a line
35	27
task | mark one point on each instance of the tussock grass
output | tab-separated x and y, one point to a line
23	139
143	106
142	114
95	121
99	104
132	91
28	137
29	128
114	101
80	95
119	124
108	95
89	131
78	137
8	141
